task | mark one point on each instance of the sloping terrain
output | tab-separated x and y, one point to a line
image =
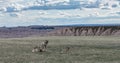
9	32
88	31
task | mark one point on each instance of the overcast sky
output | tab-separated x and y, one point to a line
58	12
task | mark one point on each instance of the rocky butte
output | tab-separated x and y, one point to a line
75	30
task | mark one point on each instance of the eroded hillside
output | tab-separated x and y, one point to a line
88	31
6	32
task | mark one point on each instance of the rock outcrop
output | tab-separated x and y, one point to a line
59	31
88	31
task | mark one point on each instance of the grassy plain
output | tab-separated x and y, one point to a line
83	49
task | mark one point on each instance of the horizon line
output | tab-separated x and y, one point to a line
67	25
